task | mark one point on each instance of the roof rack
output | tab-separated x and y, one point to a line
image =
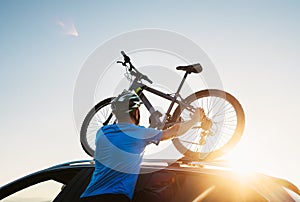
189	162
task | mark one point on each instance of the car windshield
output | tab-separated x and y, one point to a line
42	192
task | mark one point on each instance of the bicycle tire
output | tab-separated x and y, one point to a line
90	126
187	148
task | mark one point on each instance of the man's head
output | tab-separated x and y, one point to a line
126	107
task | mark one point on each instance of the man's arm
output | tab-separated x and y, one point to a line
181	128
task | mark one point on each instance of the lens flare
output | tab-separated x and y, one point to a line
67	28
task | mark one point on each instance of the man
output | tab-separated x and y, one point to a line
120	147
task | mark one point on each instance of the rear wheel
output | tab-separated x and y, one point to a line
220	132
97	117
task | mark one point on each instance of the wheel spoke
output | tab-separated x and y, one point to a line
226	115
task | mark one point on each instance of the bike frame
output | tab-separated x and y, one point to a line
139	87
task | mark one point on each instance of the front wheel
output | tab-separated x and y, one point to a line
220	132
97	117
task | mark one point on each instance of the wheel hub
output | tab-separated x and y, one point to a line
206	125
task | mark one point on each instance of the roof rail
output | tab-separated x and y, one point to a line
72	163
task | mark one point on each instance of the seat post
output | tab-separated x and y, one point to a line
177	94
181	84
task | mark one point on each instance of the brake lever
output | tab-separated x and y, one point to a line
123	63
127	61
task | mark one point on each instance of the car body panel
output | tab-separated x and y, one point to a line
170	182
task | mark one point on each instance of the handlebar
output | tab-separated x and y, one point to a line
136	73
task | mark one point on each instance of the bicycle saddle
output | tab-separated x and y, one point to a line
195	68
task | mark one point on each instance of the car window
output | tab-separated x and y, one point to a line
173	186
41	192
204	187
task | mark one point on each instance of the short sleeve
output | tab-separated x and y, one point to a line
151	135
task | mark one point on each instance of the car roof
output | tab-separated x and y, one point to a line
66	171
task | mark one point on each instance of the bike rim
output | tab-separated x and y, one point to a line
227	118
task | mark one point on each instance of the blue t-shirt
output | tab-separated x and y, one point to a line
118	155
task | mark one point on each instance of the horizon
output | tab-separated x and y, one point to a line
253	46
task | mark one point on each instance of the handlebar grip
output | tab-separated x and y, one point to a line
123	53
126	58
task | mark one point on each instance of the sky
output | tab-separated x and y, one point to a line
254	46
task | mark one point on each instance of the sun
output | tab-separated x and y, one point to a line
241	162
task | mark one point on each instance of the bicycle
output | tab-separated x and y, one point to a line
219	130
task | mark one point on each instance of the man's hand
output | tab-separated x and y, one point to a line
181	128
198	115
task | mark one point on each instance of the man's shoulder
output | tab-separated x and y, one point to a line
120	126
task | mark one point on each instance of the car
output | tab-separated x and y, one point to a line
163	180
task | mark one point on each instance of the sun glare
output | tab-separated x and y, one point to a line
241	169
242	166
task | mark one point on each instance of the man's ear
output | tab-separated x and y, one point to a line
137	116
136	113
